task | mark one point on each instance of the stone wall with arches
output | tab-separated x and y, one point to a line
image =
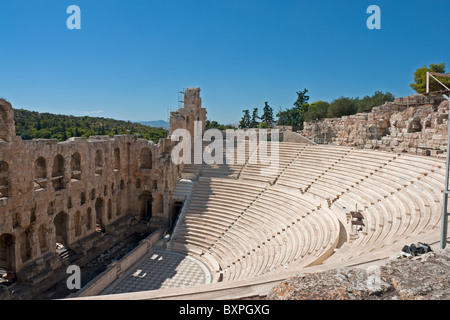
79	193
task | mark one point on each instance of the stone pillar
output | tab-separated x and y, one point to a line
34	243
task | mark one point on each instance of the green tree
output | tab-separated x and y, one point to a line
290	117
30	125
211	124
296	115
254	122
420	78
267	116
368	102
216	125
342	106
245	121
302	98
316	111
283	117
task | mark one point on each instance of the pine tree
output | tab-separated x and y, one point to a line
302	98
267	116
254	122
245	121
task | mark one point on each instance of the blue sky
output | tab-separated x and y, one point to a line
130	58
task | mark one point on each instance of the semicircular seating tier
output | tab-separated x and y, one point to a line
264	218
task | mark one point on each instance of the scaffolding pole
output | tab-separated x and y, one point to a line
445	213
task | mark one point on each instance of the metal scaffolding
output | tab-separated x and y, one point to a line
319	136
445	214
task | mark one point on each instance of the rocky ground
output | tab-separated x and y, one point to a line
423	277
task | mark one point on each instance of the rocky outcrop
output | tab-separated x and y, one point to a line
425	277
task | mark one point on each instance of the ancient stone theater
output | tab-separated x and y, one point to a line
346	192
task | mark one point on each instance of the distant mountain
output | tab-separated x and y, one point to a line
156	124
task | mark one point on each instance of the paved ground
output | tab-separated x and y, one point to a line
161	269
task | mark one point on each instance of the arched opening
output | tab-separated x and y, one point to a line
77	224
116	159
89	219
25	246
7	252
145	158
98	162
61	227
42	234
118	207
4	180
146	206
158	205
58	173
99	208
16	217
82	198
76	166
109	209
188	120
40	174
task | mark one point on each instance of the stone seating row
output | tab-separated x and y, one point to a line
410	212
250	228
306	242
390	176
312	163
267	235
352	170
260	171
215	204
270	220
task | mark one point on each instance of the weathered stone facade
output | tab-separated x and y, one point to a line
415	124
184	118
85	194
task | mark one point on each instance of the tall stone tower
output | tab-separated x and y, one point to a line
185	118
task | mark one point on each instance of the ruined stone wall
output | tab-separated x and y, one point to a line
67	192
184	118
415	124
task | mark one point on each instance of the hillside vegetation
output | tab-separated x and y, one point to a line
35	125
